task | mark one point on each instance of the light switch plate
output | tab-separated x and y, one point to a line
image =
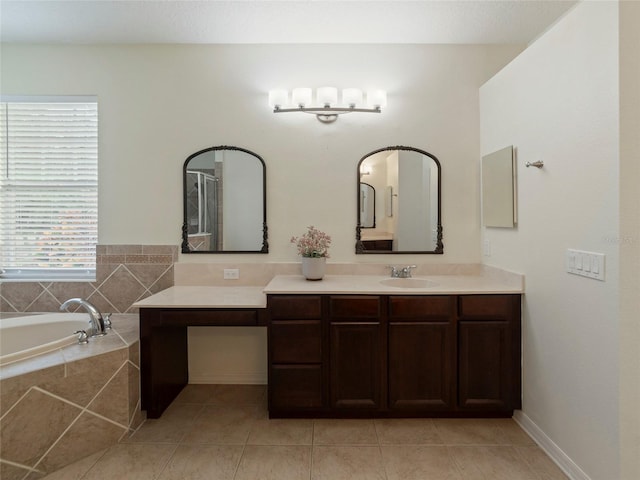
586	264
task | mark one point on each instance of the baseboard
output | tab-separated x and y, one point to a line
229	379
568	466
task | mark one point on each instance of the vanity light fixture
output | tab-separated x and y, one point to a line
327	108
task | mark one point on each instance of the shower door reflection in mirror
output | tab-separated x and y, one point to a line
224	202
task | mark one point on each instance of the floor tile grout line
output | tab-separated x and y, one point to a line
164	467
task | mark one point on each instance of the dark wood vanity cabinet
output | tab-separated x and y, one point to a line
393	355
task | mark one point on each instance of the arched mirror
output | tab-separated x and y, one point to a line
406	184
225	208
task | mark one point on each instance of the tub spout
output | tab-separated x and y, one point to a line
96	321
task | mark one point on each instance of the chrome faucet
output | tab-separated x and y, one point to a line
401	272
96	321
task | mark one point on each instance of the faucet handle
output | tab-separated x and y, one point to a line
394	270
83	337
106	318
406	271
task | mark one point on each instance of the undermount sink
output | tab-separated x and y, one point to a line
408	283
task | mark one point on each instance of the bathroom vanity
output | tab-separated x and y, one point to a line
353	345
345	347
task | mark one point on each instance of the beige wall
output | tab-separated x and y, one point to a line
558	102
629	239
159	104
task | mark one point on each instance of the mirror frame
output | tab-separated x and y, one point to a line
439	249
185	227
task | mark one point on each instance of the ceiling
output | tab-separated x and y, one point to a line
265	21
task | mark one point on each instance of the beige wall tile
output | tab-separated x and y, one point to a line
15	381
21	294
113	401
45	302
124	249
11	472
88	435
121	289
31	427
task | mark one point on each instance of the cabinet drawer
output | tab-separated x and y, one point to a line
221	318
354	307
296	341
422	307
295	306
295	387
487	306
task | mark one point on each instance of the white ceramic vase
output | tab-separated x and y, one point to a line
313	267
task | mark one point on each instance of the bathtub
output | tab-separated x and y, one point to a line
95	386
25	337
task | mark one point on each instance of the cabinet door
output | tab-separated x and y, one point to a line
421	353
355	371
484	359
421	368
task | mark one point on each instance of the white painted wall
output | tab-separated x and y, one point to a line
558	102
159	104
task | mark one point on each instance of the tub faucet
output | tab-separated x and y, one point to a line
96	322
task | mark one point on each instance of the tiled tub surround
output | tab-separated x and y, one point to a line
62	406
124	275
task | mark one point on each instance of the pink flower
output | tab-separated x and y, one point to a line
314	243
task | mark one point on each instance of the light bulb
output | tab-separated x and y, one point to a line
278	98
327	96
377	98
352	97
301	97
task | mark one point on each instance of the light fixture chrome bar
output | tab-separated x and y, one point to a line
327	114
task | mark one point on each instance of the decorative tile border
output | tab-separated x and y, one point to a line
124	275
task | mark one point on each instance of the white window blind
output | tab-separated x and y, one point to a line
48	189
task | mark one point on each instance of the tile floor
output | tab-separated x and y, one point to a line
222	432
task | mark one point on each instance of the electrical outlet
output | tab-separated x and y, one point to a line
231	273
486	248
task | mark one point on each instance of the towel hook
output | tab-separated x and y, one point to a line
538	164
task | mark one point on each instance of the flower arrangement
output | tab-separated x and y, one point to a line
314	243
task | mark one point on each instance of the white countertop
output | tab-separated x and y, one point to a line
255	296
371	284
206	297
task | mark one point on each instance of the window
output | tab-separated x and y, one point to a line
48	188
